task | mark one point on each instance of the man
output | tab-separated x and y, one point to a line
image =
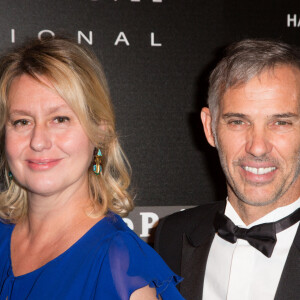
253	120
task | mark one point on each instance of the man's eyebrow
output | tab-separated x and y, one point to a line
285	115
236	115
239	115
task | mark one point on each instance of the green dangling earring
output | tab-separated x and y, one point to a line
97	168
10	176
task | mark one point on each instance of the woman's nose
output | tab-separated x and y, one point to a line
40	139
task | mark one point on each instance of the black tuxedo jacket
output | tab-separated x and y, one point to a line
184	240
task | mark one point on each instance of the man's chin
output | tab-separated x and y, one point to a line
258	197
258	202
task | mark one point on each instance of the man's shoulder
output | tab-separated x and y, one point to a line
191	217
171	230
174	226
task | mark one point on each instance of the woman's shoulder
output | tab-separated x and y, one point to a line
134	264
123	240
5	228
5	234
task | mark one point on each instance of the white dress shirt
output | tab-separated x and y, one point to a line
241	272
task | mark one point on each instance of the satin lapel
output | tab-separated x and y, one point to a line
193	268
195	250
289	284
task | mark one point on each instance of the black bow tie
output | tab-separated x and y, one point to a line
262	236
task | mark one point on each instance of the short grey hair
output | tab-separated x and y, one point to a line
244	60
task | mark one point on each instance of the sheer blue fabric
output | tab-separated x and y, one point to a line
109	262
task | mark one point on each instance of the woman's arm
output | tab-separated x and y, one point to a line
145	293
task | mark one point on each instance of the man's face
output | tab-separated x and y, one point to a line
258	138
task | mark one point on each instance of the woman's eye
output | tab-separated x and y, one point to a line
21	122
61	119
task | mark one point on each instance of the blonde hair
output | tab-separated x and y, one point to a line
78	78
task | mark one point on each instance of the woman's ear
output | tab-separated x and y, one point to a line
103	126
206	119
100	134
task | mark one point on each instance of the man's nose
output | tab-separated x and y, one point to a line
40	139
258	142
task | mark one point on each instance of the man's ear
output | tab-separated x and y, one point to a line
206	119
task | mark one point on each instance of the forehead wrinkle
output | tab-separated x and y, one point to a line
48	110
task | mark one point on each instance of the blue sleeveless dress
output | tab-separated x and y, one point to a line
109	262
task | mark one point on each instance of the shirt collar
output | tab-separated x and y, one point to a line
272	216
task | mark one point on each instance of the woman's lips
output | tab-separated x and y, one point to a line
43	164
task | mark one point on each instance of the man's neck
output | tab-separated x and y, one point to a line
250	213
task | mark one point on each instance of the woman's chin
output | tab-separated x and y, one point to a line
43	187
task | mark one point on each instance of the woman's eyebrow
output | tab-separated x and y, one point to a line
28	112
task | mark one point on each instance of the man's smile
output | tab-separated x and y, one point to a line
259	171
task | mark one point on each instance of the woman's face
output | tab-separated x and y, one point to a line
46	147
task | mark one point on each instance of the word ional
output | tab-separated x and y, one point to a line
120	39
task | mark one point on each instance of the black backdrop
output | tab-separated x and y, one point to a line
157	55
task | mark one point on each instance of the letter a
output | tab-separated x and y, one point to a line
121	38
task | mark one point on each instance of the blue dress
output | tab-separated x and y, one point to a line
109	262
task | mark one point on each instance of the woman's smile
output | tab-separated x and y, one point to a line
42	164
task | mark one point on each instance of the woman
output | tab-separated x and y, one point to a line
61	235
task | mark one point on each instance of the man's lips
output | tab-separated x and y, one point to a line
42	164
259	171
258	174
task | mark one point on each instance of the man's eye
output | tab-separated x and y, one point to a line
61	119
21	122
236	122
282	123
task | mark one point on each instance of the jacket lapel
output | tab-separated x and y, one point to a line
195	250
193	268
289	284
